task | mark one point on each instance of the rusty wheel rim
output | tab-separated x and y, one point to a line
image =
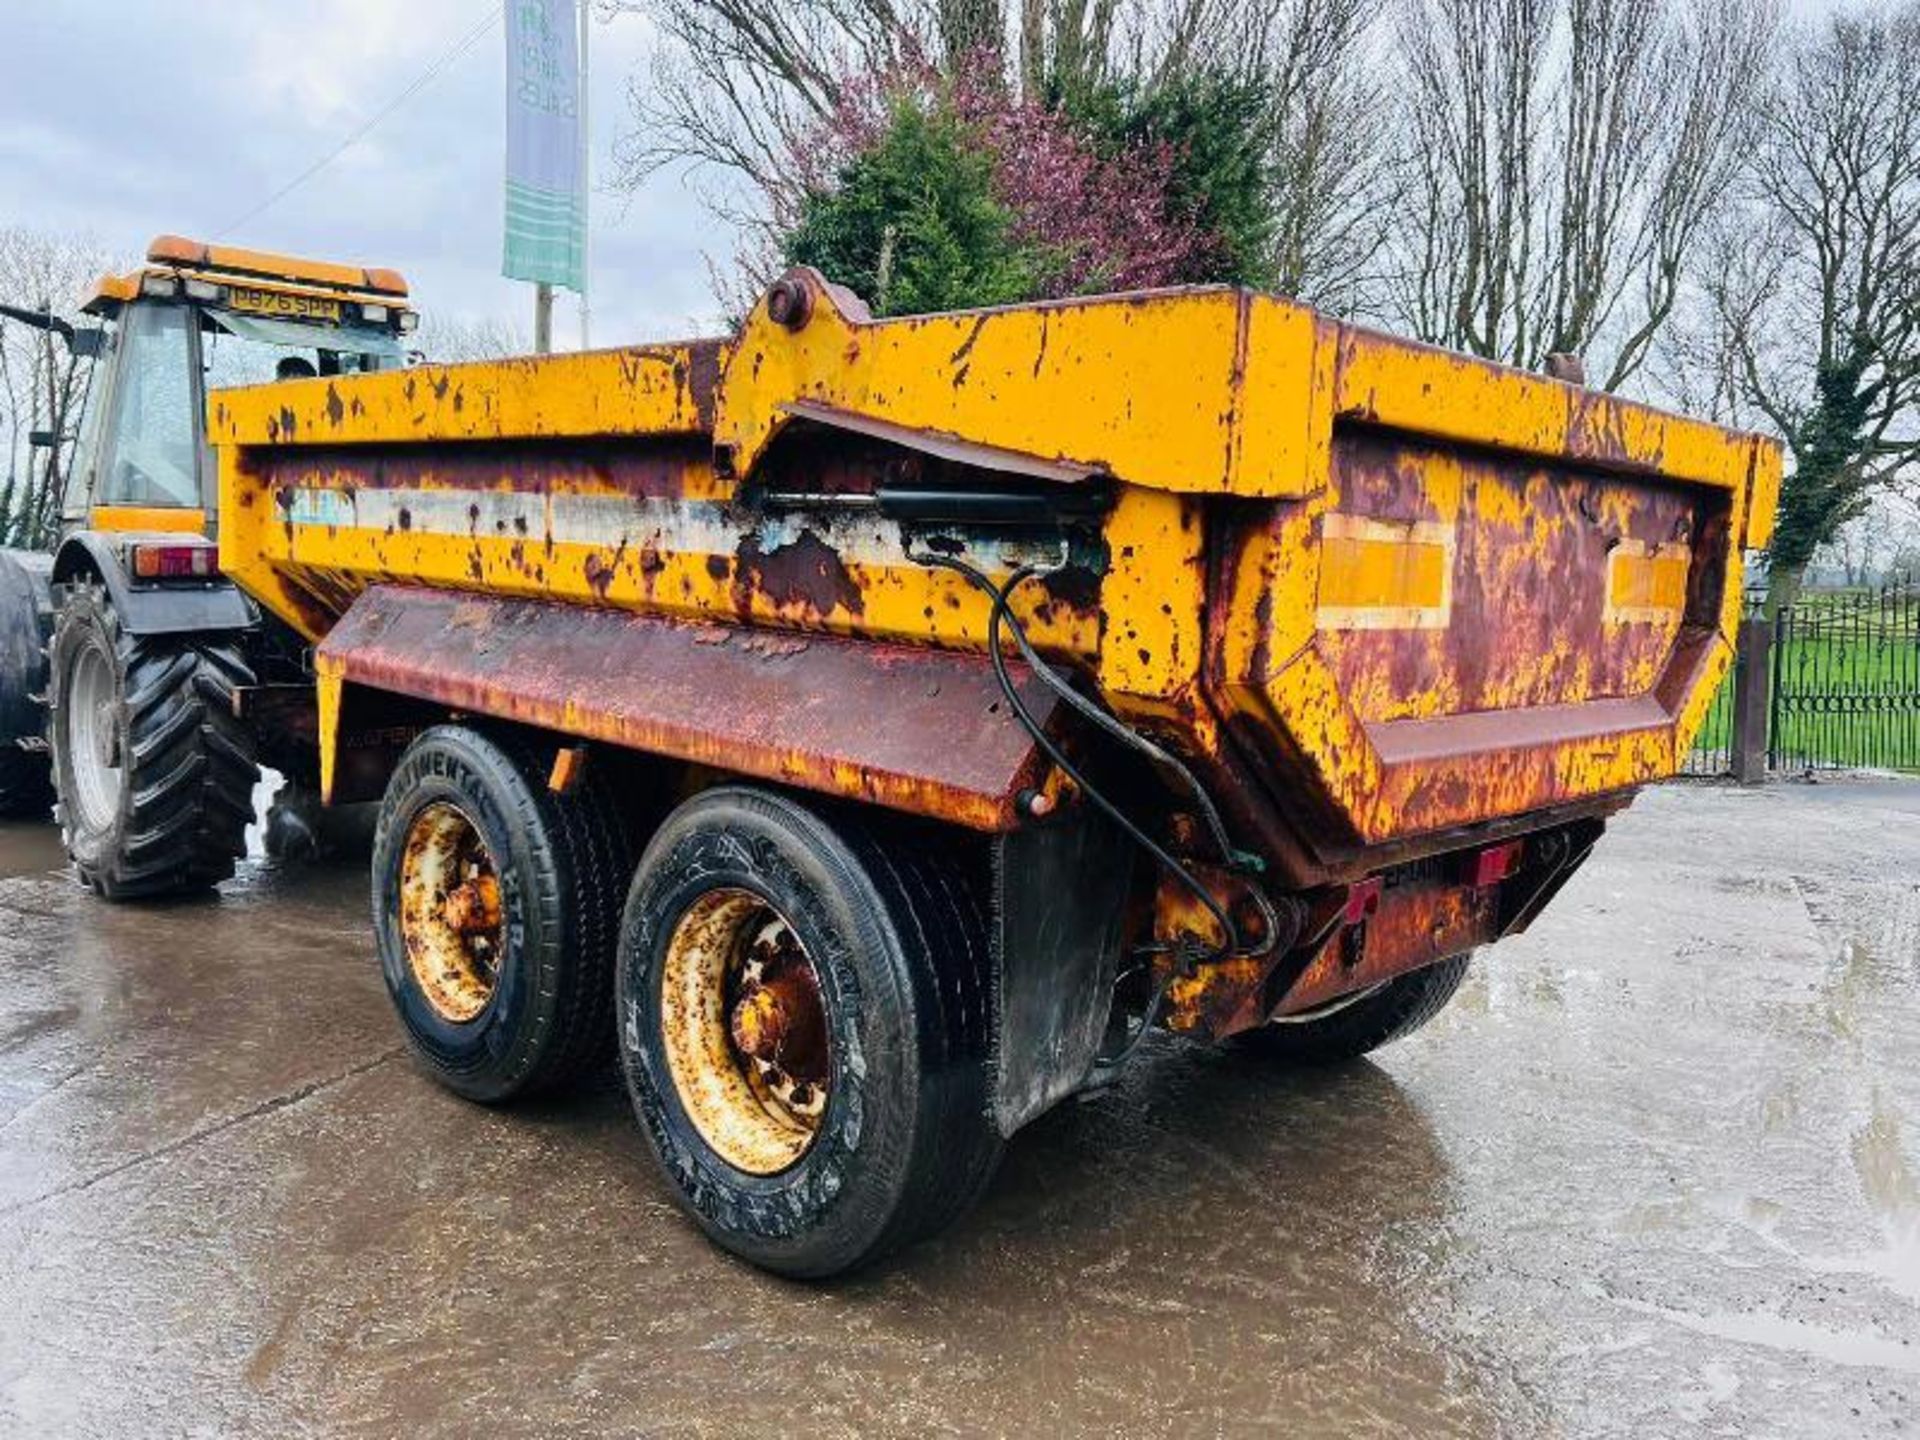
745	1031
450	916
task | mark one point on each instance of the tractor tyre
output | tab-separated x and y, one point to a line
26	783
26	770
155	775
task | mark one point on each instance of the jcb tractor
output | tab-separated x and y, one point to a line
130	614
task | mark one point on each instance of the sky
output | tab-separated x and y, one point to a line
124	119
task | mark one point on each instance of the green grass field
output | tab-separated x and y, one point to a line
1847	689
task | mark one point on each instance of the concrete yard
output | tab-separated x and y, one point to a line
1655	1172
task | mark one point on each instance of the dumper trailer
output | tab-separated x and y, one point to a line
872	729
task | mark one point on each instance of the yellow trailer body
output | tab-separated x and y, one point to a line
1388	602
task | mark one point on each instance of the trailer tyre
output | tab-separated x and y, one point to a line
154	772
1397	1008
496	908
803	1028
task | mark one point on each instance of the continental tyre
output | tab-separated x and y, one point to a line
155	775
496	910
1345	1031
803	1028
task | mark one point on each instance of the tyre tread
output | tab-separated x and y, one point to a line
190	771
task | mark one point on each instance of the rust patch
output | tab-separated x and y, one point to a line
807	577
600	573
800	717
1414	926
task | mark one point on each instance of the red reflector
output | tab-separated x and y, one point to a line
174	562
1363	899
1496	863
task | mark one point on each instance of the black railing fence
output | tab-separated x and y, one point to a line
1839	688
1846	682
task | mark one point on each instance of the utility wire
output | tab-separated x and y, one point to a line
420	82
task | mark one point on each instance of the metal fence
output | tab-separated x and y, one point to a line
1841	680
1846	682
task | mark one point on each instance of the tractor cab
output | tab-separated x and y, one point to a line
135	574
200	317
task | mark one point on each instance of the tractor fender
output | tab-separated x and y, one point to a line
208	607
26	617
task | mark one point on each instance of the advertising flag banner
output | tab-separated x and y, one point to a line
546	188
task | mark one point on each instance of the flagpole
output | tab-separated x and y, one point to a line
586	181
543	319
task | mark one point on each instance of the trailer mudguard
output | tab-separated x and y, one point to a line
1059	904
203	607
911	728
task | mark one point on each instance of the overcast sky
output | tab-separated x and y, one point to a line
125	118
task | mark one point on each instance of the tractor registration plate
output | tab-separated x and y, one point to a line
274	302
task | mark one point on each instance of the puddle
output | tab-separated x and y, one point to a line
1852	1348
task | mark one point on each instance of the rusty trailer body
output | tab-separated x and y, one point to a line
1415	623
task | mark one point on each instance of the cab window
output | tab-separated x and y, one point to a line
152	457
86	450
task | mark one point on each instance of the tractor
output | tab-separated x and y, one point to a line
124	655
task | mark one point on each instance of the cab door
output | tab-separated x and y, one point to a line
140	461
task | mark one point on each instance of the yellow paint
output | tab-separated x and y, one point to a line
642	391
327	683
1238	575
1154	597
1385	575
162	519
1646	585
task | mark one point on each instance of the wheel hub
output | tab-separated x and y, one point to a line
452	923
92	725
745	1031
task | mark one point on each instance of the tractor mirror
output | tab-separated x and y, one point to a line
88	344
42	439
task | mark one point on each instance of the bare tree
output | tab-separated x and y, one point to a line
1867	549
1564	157
1333	189
735	85
1817	303
448	338
42	383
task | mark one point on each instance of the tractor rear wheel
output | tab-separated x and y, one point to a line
155	774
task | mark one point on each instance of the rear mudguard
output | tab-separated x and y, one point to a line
912	729
26	618
210	607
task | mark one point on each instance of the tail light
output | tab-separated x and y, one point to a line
1495	863
1363	899
173	562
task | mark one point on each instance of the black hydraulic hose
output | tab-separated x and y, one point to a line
1001	614
1234	859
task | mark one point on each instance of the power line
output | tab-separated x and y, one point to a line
420	82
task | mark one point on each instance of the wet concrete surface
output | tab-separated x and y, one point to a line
1652	1173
